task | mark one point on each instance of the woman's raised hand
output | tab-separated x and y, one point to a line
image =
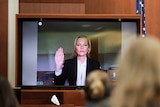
59	59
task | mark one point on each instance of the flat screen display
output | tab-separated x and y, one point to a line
40	42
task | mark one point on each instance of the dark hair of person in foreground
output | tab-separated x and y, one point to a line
7	95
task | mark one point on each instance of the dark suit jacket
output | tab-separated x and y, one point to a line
69	71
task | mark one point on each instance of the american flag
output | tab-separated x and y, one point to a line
140	9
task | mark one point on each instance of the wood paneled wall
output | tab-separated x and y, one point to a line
78	6
110	6
52	6
95	7
4	38
152	10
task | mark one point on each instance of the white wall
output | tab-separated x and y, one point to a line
12	10
129	30
29	53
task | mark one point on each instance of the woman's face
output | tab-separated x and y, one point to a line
82	47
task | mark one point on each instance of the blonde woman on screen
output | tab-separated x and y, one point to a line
75	69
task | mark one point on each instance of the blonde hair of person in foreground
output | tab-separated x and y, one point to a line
138	75
97	89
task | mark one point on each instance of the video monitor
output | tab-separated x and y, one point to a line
38	43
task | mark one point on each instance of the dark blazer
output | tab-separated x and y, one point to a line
69	71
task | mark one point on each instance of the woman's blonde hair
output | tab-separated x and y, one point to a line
138	75
89	45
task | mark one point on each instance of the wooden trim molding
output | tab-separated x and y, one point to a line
4	38
51	1
85	16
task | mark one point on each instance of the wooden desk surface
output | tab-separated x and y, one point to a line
42	97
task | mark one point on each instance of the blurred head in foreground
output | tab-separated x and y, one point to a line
98	85
7	95
138	78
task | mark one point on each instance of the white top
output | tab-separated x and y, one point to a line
81	73
58	72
